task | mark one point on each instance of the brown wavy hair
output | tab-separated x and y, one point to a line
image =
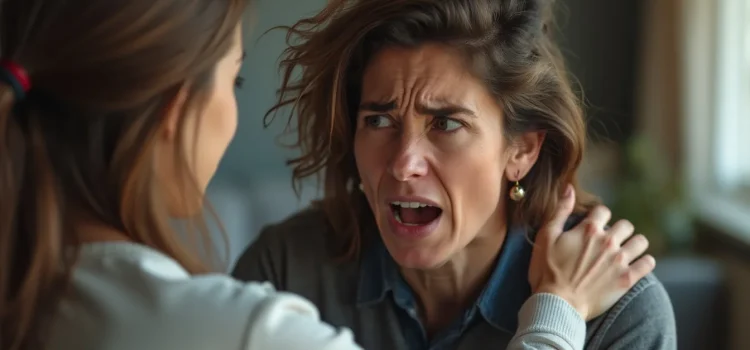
82	141
508	42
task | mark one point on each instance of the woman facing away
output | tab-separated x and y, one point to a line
445	132
113	118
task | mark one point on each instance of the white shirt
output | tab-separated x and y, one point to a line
126	296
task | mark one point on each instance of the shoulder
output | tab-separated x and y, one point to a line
309	226
643	319
312	218
142	299
298	246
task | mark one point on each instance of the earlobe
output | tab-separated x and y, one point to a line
524	155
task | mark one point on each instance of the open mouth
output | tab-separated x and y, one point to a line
415	213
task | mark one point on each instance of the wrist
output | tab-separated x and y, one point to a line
569	297
550	313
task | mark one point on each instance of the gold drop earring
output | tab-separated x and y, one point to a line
517	192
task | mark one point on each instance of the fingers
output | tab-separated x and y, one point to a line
565	206
632	249
606	247
639	269
620	232
597	219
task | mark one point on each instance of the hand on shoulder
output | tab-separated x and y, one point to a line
591	266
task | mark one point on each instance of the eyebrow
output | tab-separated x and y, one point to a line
445	108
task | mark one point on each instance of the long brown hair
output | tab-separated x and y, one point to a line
512	49
82	141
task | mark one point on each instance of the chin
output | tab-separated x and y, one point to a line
420	261
415	255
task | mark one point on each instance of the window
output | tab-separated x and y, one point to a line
732	141
717	109
744	113
745	108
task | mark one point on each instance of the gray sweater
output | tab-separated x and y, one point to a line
372	300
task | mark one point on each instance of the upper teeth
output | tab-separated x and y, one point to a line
410	204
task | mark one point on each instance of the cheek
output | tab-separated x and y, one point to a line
371	153
229	117
217	129
473	177
223	119
360	156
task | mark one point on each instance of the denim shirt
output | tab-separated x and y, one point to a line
368	296
497	304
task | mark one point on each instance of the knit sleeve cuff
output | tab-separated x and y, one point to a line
548	313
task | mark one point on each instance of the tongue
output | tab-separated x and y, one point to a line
419	216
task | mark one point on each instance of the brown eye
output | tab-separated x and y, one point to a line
446	124
377	121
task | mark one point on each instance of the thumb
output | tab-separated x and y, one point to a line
555	226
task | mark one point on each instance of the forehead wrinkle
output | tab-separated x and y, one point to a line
420	78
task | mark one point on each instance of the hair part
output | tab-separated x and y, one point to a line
81	145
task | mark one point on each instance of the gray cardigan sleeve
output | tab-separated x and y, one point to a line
547	322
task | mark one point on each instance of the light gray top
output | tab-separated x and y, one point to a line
366	296
127	296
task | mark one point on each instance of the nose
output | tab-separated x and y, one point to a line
409	161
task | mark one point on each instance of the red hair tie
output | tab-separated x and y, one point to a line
14	75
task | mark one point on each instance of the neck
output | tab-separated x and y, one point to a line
445	292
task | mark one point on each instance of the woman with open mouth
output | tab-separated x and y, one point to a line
114	116
446	133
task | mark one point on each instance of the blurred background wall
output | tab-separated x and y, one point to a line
667	97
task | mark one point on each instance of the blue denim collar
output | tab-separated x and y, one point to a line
499	303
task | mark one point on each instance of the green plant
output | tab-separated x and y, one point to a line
650	195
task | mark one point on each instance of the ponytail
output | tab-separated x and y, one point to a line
30	223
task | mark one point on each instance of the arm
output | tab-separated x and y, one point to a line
547	322
288	322
642	319
591	267
284	321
